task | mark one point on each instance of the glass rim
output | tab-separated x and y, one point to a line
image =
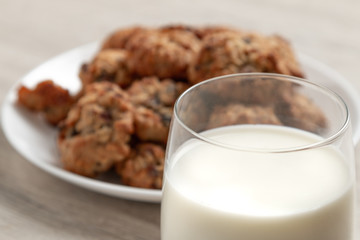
323	142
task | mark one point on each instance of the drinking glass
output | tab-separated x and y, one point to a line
259	157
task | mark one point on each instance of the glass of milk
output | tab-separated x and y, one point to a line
259	157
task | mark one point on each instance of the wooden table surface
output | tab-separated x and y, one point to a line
36	205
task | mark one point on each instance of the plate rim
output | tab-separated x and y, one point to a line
123	191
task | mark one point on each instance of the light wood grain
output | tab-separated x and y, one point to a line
36	205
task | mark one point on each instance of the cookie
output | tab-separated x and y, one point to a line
154	100
297	110
47	98
229	52
234	114
165	54
107	65
97	131
120	38
144	167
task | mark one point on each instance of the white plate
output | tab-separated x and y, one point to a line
36	140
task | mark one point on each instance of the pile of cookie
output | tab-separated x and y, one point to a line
120	118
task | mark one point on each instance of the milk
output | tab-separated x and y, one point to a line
218	193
